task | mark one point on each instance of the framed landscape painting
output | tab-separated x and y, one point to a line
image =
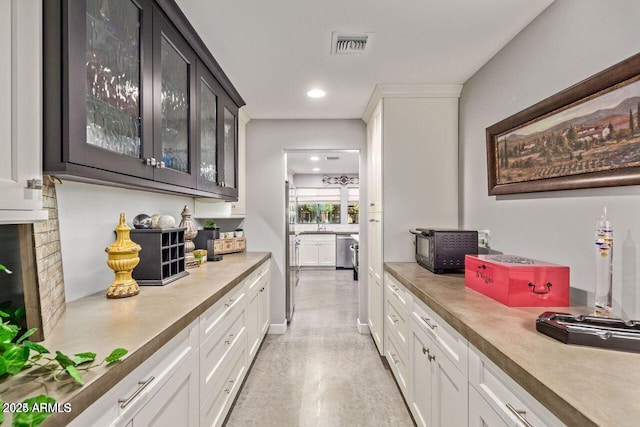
583	137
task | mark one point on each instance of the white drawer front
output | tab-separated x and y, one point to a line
215	315
120	403
453	345
510	401
398	363
214	352
395	290
214	408
397	324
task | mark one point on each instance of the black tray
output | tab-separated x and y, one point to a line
614	334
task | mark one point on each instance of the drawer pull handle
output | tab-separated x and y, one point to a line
428	322
393	358
262	289
228	304
394	319
228	389
425	350
141	386
229	340
431	358
520	415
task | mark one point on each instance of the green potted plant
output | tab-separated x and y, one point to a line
239	232
209	225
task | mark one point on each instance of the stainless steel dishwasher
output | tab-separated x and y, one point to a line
343	254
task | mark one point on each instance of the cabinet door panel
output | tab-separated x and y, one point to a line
176	403
230	147
327	254
109	117
422	378
208	152
481	414
174	90
450	392
20	119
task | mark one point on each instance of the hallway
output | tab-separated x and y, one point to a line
322	372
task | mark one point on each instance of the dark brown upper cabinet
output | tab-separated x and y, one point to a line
133	98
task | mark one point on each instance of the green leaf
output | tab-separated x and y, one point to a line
5	269
4	314
115	355
38	413
75	374
63	359
8	332
81	358
36	347
27	335
16	358
20	314
3	367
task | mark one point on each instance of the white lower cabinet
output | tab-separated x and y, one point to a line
194	378
438	388
481	414
317	250
508	400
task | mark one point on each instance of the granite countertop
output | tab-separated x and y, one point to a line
581	385
141	324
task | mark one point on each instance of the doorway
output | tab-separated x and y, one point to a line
322	210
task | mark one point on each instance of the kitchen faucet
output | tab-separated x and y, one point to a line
322	226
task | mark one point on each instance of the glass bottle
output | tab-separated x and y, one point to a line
604	265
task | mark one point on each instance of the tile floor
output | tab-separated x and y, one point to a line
322	372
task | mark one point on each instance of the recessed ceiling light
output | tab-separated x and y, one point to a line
314	158
316	169
316	93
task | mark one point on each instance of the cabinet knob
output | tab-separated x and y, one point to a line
431	358
151	162
424	350
160	165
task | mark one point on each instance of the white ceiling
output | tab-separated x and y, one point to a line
274	51
301	163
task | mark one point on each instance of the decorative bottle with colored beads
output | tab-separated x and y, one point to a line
604	265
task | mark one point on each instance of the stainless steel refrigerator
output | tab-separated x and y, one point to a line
292	248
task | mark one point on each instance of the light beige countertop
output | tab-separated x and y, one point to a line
581	385
140	324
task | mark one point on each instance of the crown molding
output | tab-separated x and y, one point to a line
409	91
243	116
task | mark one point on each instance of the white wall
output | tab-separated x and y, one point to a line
265	221
89	215
568	42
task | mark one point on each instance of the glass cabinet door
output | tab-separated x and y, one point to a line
174	66
230	148
208	152
106	113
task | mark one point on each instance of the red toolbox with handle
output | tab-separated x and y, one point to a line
518	281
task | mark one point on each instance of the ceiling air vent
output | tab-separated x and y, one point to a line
347	43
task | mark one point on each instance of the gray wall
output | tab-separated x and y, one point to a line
570	41
89	215
264	225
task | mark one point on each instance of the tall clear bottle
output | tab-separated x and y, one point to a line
604	265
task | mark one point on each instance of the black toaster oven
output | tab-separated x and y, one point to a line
441	251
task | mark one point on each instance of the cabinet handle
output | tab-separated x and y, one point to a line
229	340
228	390
425	350
372	204
431	358
141	386
151	162
393	358
520	415
428	322
372	220
161	165
394	319
34	184
262	289
228	304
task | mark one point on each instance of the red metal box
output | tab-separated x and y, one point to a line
517	281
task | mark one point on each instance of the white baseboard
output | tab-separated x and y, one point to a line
278	328
363	328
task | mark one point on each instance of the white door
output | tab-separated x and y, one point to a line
450	392
20	109
422	378
327	254
176	403
308	253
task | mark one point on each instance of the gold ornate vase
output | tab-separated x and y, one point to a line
122	258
